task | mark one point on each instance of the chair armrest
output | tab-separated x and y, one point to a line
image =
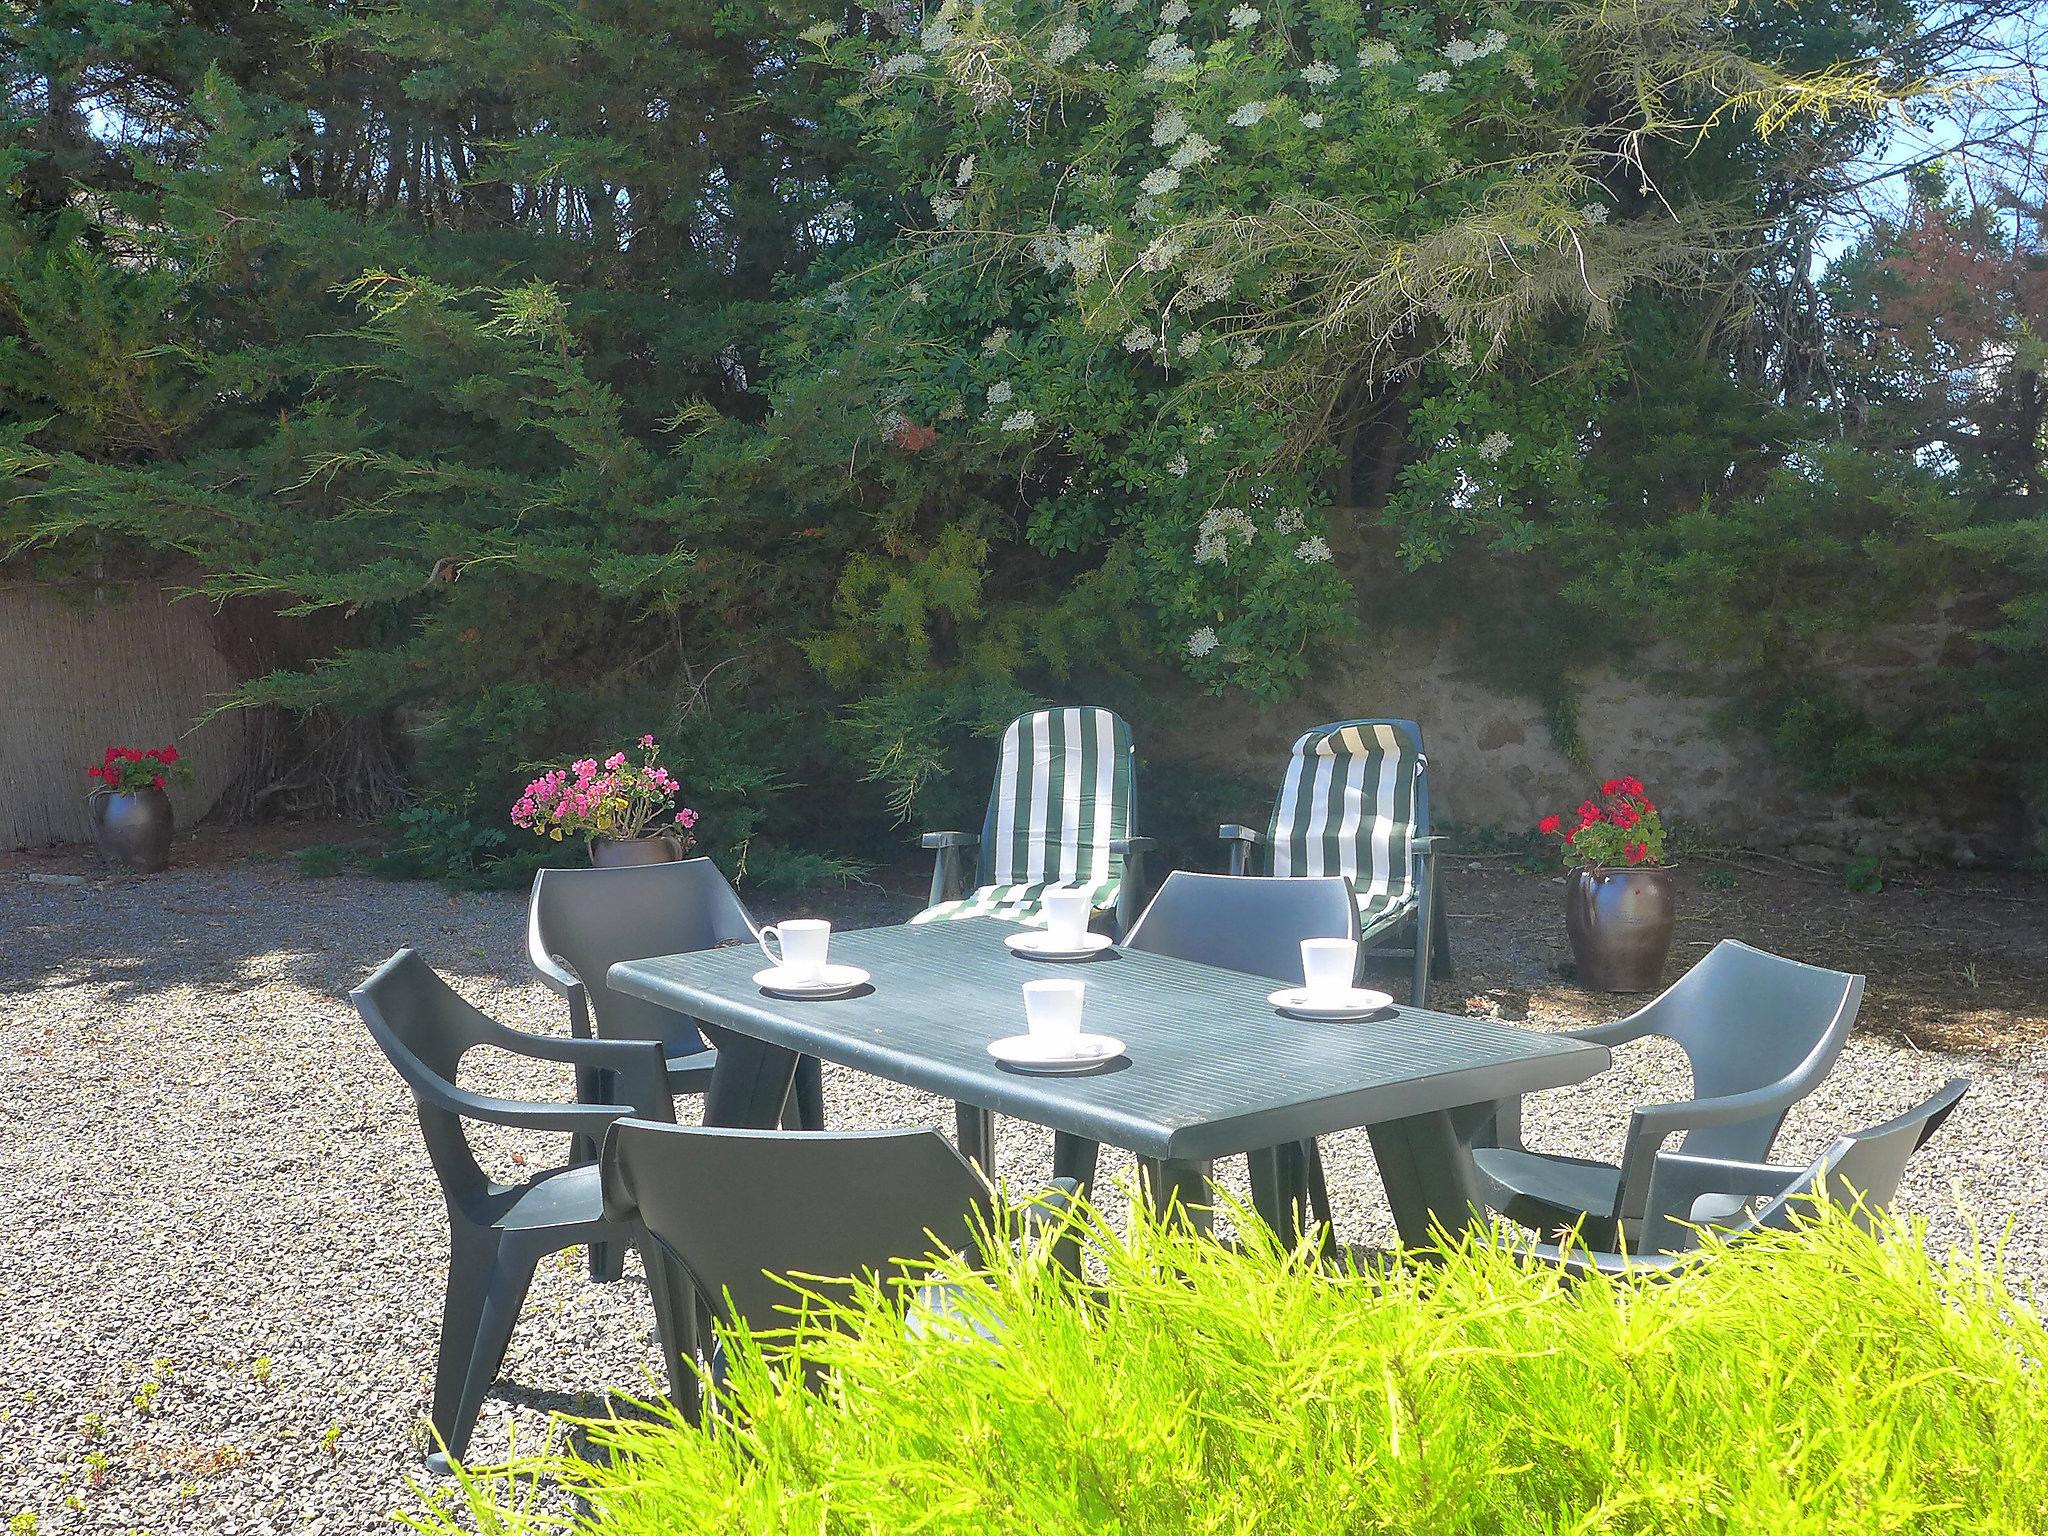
1652	1123
1130	845
1231	832
949	839
1428	845
1615	1032
1680	1179
557	975
641	1065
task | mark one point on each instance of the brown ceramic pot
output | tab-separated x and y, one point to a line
133	830
617	853
1620	923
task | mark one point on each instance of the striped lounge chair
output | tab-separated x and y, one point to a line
1355	802
1060	814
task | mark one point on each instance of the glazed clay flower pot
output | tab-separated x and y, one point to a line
133	830
618	853
1620	923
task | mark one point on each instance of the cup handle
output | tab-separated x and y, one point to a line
761	939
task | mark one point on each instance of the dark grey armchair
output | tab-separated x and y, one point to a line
582	922
1760	1033
1859	1172
722	1213
497	1232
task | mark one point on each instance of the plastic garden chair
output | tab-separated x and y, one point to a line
722	1213
1059	814
1689	1193
497	1232
1354	801
1760	1033
582	922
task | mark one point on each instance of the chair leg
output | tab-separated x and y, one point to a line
675	1322
511	1275
472	1257
1318	1185
1440	942
607	1263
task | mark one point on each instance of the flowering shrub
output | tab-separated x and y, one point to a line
617	799
126	771
1621	827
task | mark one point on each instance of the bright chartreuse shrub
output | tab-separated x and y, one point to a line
1820	1382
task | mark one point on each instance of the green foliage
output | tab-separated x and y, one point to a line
1864	875
1820	1381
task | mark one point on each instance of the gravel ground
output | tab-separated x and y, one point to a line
226	1248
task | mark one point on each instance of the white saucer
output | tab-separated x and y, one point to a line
1075	1053
1038	944
1352	1003
831	981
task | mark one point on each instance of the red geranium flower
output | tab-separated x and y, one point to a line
1637	852
1549	824
1611	787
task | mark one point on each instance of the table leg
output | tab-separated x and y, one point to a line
806	1108
1184	1185
750	1085
1073	1157
1428	1172
1280	1189
975	1130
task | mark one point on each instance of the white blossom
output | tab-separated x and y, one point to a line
1067	40
1173	13
1249	355
1243	16
916	293
946	208
1190	344
1087	250
1177	465
903	64
1139	338
1377	53
1219	526
1166	55
1192	150
995	341
1019	421
1495	446
1048	250
1168	126
1458	352
1207	434
938	35
1320	73
1248	114
1202	641
1311	119
1313	550
966	172
1161	181
838	211
1594	213
819	33
1289	520
1124	7
1436	80
1207	284
1492	42
999	392
1461	50
1160	254
1522	71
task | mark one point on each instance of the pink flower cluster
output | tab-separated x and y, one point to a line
620	799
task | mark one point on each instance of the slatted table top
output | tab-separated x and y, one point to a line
1210	1067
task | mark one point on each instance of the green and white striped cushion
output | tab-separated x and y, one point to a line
1347	807
1062	796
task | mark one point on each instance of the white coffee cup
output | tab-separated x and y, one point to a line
1066	916
1052	1009
1328	966
803	941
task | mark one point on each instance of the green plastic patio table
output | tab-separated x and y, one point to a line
1210	1067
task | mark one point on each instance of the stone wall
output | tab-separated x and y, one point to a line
1494	760
127	667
